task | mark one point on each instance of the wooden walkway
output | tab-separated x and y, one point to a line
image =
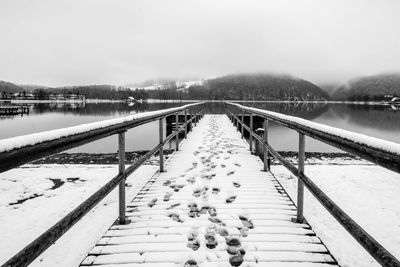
214	206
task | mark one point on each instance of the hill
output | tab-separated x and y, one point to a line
10	87
257	87
371	88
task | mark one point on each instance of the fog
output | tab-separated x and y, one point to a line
58	43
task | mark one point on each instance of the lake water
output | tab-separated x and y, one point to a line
377	121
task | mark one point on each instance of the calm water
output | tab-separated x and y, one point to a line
378	121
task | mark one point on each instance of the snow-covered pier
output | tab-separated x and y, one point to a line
212	206
213	202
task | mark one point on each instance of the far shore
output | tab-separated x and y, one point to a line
376	103
132	156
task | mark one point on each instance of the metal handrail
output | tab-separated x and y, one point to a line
387	154
44	241
374	248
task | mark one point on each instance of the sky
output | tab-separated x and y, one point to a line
58	43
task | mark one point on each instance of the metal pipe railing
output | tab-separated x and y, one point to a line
374	248
44	241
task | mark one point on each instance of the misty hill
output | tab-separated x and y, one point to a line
257	87
371	88
10	87
330	88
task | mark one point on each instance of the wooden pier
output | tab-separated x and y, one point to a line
13	109
212	206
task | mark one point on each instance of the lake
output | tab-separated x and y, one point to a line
373	120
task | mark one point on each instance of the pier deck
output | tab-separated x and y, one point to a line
213	206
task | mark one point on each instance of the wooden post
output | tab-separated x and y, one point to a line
161	152
242	124
300	185
177	132
121	167
265	139
251	133
186	126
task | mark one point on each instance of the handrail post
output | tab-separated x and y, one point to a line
177	131
265	150
242	123
300	184
121	167
161	152
251	133
186	126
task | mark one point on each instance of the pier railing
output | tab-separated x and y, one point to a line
17	151
381	152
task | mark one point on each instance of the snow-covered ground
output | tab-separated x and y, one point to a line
21	223
368	193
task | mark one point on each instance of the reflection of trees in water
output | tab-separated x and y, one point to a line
100	109
372	116
307	111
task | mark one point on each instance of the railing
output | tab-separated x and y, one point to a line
20	150
381	152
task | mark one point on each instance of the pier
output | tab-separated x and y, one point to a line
9	110
214	201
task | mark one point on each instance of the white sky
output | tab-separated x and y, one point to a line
56	43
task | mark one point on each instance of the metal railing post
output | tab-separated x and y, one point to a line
161	152
265	150
121	167
251	133
177	132
300	184
242	123
186	126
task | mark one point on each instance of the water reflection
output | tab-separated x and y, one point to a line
374	120
100	109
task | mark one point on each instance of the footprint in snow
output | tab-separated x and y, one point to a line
152	202
167	196
236	184
175	217
215	190
211	241
235	250
246	222
193	242
191	263
230	199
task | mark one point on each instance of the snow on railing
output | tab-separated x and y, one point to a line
382	152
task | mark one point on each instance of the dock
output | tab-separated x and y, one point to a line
14	109
212	206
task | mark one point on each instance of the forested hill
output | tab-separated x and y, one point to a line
9	87
372	88
257	87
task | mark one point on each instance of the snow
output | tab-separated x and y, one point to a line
213	198
361	139
26	221
366	192
32	139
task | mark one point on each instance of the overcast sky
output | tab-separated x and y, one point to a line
56	43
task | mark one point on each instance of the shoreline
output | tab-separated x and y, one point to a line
132	156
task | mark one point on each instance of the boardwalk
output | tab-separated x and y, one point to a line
212	207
